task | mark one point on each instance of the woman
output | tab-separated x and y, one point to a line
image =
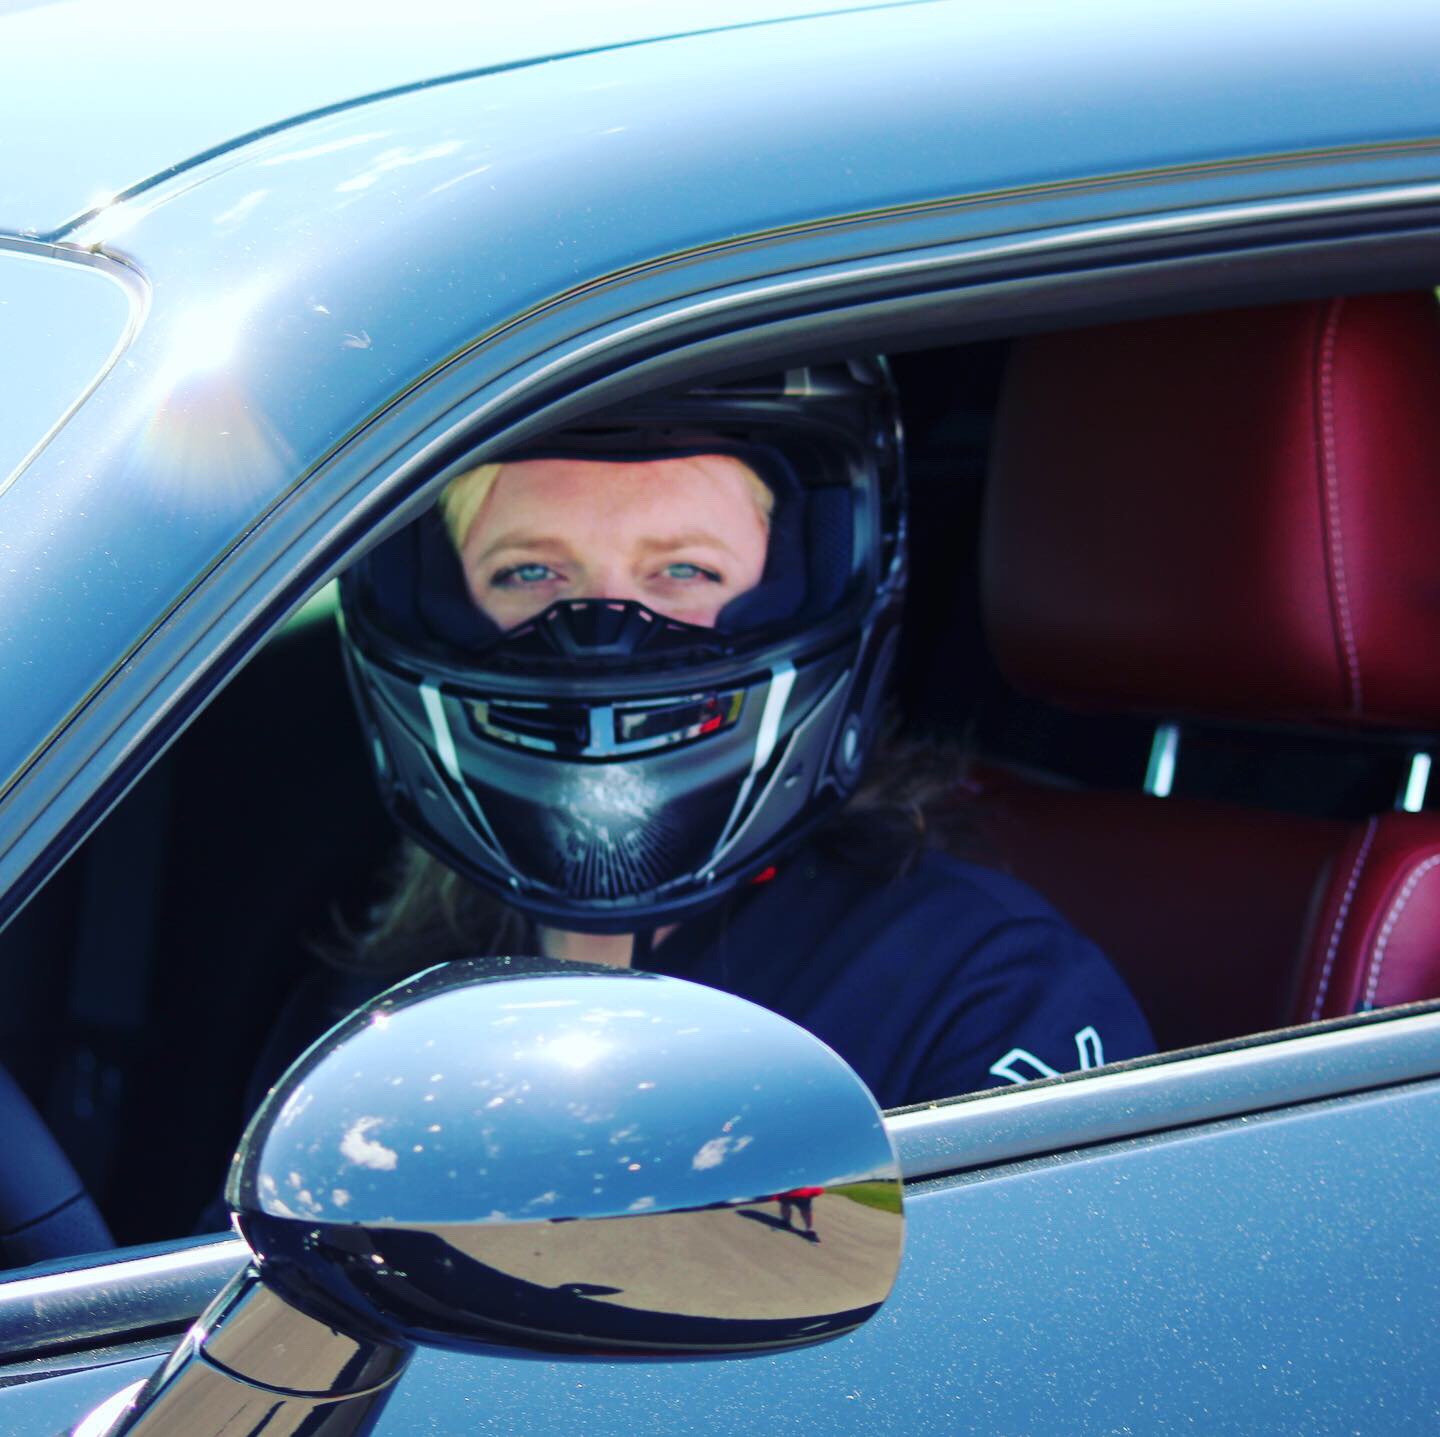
621	690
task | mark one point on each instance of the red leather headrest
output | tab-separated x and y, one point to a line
1224	515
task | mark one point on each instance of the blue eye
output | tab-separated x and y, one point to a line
690	571
523	574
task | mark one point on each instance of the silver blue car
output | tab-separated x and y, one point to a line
1157	286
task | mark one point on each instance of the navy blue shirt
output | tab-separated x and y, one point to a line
947	979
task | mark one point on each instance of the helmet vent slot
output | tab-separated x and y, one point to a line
656	724
607	731
552	728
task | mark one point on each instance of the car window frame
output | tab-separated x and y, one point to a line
380	479
393	468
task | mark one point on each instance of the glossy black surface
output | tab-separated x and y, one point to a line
121	1296
572	1158
1262	1276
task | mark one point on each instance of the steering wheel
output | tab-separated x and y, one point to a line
45	1211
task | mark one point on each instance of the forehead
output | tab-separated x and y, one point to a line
558	486
720	472
720	487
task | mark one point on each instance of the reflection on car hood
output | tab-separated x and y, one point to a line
95	98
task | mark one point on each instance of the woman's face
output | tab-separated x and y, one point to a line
682	536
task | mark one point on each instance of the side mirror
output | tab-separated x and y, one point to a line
567	1159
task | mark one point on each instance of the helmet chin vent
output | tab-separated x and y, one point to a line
600	629
655	724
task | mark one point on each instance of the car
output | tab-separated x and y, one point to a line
1157	287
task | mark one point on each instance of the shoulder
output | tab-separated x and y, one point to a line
991	895
951	901
944	979
1038	998
954	976
946	935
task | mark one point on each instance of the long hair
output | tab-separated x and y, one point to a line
908	803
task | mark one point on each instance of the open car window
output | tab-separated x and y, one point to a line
1243	871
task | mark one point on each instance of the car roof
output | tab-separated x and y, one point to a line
97	99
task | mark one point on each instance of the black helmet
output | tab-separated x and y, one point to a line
604	768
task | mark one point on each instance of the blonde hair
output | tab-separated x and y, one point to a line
466	493
463	496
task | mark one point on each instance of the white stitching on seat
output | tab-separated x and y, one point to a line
1388	927
1340	917
1332	499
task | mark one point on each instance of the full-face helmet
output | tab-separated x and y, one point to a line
605	768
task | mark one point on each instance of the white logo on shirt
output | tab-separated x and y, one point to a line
1012	1067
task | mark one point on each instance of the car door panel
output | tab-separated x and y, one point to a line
1226	1276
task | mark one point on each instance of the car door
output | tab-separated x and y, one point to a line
1240	1240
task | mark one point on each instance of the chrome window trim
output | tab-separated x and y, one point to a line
137	292
117	1296
972	254
1172	1091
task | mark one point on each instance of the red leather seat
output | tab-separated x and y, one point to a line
1230	517
1377	938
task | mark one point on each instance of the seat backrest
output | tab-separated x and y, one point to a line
1376	939
1200	905
1229	517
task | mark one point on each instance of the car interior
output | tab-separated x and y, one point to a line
1171	586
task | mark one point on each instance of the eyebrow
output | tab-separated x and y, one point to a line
690	539
521	540
548	543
